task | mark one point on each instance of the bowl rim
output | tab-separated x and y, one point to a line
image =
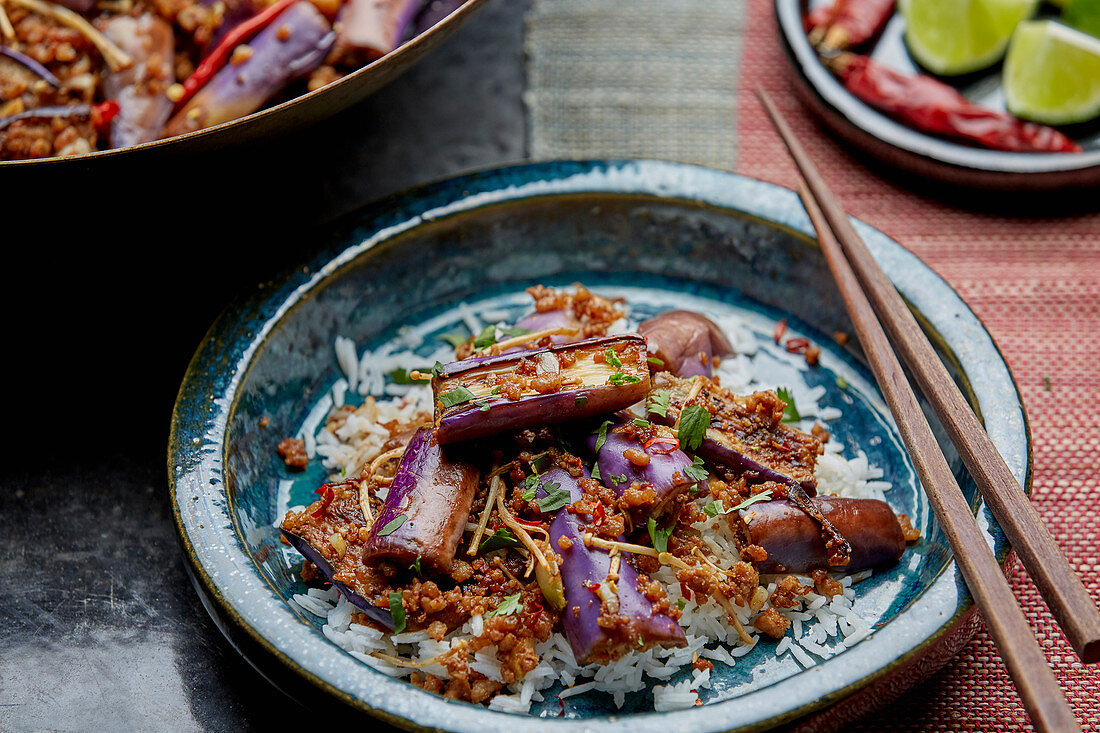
902	138
226	570
455	18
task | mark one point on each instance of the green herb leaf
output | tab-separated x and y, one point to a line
392	525
397	611
694	421
401	376
456	397
507	607
454	339
596	471
658	402
497	540
415	567
641	423
483	405
556	497
486	338
715	508
697	471
790	412
617	479
495	390
612	358
513	331
601	434
765	495
438	370
659	537
580	401
680	603
619	379
531	485
540	462
655	361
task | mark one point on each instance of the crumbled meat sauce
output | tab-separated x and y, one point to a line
772	623
788	592
825	585
293	453
594	312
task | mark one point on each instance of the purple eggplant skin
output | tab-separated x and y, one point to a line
719	448
490	414
639	626
685	342
376	27
793	540
140	89
381	615
434	493
240	90
664	472
434	12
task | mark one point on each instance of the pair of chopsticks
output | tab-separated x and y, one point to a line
872	293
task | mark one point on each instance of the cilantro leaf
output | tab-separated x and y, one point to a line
580	401
596	471
715	508
765	495
456	397
556	497
790	412
401	376
531	485
680	603
486	338
619	379
617	479
507	607
601	435
392	525
397	611
694	421
641	423
612	358
697	471
439	370
501	538
415	567
658	402
655	361
513	331
659	537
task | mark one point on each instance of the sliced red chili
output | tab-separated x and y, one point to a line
104	112
598	515
528	522
797	345
663	440
327	495
780	329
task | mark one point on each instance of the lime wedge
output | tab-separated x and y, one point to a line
1052	74
951	37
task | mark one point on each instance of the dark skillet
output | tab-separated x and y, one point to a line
299	111
926	155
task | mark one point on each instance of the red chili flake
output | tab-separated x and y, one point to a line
104	112
536	610
598	515
327	495
798	345
592	586
661	439
528	522
685	591
780	329
784	446
562	703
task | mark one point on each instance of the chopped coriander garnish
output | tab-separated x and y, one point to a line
612	358
438	370
397	612
556	497
540	462
495	390
483	405
486	338
619	379
497	540
655	361
696	471
454	339
658	402
790	412
456	397
530	485
415	567
400	376
641	423
580	401
507	607
513	331
694	421
715	508
596	471
659	537
680	603
392	525
601	435
765	495
617	479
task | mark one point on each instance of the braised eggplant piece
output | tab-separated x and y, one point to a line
484	396
606	615
793	539
375	27
684	342
629	464
425	511
143	106
290	48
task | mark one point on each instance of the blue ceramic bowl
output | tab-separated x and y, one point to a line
657	232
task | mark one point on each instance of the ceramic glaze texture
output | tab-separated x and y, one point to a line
660	235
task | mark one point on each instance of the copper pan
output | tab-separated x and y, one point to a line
290	115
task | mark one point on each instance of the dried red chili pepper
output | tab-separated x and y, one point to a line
327	495
932	106
104	112
848	23
661	439
598	515
217	58
797	345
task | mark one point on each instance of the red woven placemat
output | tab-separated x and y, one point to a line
1036	285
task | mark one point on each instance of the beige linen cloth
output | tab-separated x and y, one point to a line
634	78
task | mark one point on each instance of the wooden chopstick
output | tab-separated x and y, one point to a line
1061	588
1026	663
